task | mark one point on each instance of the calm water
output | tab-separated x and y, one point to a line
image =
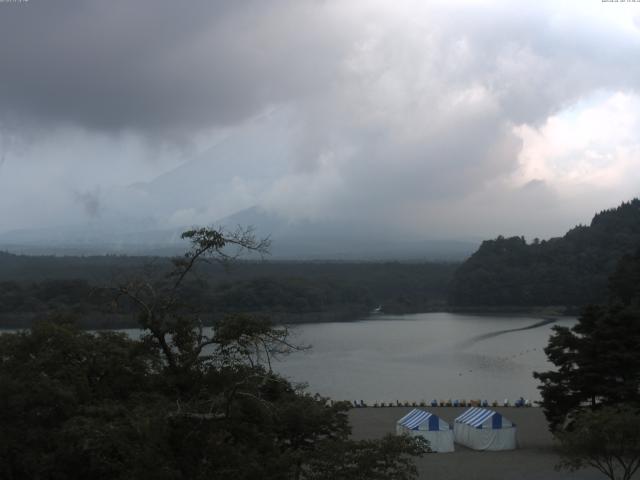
421	357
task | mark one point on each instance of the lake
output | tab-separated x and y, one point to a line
421	357
418	357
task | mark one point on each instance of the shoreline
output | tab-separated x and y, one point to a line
534	459
23	320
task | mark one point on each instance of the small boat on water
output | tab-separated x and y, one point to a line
377	310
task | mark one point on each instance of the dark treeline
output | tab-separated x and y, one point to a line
591	396
569	271
95	269
597	360
286	291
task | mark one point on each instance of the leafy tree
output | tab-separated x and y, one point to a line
607	439
366	460
72	401
597	361
182	402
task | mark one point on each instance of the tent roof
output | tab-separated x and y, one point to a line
475	416
415	418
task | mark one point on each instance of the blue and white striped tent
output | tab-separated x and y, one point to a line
483	429
428	426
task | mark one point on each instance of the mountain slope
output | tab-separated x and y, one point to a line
571	270
291	240
344	240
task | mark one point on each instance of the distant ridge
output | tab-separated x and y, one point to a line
326	239
291	239
570	271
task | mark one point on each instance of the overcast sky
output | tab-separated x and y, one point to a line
443	119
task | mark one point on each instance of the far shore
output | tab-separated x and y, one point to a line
119	321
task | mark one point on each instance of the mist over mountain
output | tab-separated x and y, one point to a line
230	184
389	122
345	240
291	239
231	175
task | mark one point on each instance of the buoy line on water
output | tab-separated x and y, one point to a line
519	403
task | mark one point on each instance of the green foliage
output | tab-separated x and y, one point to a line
76	405
597	361
292	291
64	393
367	460
569	271
183	402
607	439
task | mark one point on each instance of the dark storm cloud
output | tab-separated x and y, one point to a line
428	111
158	65
408	113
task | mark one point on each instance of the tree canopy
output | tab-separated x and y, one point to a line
181	402
568	271
291	292
597	361
607	439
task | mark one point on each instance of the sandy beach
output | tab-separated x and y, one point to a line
533	460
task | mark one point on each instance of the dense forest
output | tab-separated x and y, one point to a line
180	403
567	272
285	291
570	271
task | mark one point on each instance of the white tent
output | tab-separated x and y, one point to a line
419	423
483	429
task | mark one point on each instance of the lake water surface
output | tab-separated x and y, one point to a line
421	357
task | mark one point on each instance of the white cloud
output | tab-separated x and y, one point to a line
594	144
445	117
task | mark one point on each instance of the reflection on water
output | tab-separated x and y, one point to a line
423	356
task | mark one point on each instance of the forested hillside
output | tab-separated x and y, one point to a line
568	271
285	291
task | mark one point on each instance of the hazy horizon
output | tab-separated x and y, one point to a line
407	119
